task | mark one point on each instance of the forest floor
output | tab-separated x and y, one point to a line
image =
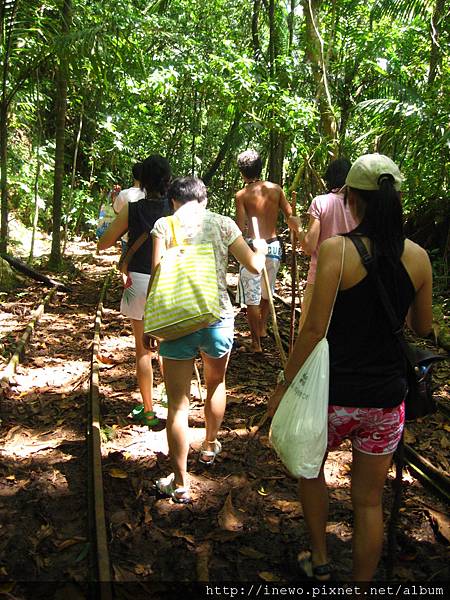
245	522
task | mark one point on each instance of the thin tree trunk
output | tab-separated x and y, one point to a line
291	22
194	133
83	204
4	175
223	149
316	57
276	139
255	31
38	165
435	31
61	107
4	105
72	182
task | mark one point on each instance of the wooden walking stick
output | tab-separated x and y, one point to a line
199	383
293	273
276	331
399	461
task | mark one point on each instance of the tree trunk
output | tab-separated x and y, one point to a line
194	127
4	175
315	55
7	23
276	140
291	15
276	157
72	182
255	31
435	31
30	272
38	165
60	118
211	171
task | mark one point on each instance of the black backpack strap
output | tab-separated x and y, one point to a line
397	327
123	264
367	260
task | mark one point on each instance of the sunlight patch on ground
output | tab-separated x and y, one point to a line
22	442
334	474
140	441
110	345
54	373
8	323
21	238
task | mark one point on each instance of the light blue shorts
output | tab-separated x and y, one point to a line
215	341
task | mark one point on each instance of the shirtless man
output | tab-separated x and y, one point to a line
263	200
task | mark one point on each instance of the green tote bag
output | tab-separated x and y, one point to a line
184	295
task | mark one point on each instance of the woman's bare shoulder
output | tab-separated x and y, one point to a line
332	244
414	251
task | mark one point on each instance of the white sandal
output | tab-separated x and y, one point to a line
165	486
207	457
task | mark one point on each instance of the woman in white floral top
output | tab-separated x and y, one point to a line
214	343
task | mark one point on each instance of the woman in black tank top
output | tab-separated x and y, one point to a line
367	371
137	218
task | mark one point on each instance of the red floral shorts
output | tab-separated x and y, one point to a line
372	430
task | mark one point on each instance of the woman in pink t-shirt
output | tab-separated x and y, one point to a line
328	216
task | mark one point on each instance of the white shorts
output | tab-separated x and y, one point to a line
251	286
134	295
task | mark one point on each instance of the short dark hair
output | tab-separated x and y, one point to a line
137	171
185	189
336	173
155	175
249	163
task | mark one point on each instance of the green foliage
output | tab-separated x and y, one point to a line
183	78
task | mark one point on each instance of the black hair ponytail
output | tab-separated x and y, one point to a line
383	218
336	173
155	175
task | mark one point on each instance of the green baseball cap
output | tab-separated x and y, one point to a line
366	171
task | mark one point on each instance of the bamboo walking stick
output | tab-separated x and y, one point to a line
293	273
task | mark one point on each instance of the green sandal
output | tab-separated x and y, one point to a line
148	418
137	411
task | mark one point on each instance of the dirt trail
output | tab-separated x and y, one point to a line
245	522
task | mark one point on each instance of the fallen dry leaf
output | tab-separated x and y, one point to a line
142	570
228	517
250	552
267	576
106	360
67	543
122	574
445	442
234	399
147	515
118	473
204	552
441	523
409	437
177	533
273	523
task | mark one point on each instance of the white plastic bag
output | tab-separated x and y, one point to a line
300	425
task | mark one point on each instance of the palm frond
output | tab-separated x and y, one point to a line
402	9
